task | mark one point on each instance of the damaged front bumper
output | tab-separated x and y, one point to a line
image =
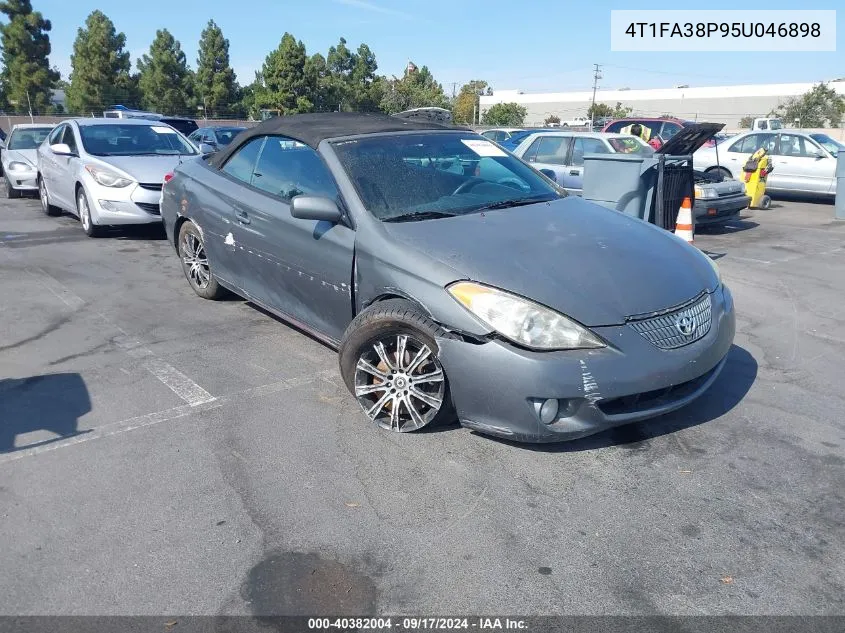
497	388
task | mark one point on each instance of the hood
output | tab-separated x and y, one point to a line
593	264
143	168
28	156
690	139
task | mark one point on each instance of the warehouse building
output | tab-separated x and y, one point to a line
720	104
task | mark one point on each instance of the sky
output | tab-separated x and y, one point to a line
534	46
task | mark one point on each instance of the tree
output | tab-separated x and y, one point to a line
821	106
26	77
216	85
504	114
416	89
100	67
285	84
466	104
746	121
552	118
602	110
163	76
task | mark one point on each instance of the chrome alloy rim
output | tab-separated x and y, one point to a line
399	383
42	190
195	261
84	211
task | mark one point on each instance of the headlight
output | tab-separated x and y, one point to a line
704	193
107	177
522	321
18	166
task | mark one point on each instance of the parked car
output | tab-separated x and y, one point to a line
579	121
451	276
801	162
560	155
500	134
659	129
210	139
516	138
20	157
108	171
181	124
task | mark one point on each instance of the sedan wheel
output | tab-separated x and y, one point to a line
195	263
84	210
46	207
389	361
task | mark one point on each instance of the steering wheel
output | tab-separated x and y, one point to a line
464	187
513	183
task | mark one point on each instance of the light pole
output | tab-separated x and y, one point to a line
596	77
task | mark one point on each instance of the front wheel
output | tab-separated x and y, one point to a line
195	263
389	360
721	171
83	208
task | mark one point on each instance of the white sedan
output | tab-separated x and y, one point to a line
20	157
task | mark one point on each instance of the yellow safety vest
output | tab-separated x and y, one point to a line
645	135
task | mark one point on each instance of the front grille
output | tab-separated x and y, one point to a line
151	186
149	207
653	399
664	330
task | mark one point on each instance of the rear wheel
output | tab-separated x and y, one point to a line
84	211
389	360
195	263
46	207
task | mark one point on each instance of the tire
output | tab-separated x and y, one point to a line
44	196
11	192
195	264
765	202
411	404
83	208
721	171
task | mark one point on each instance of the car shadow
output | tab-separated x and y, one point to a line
823	200
735	226
130	232
50	402
725	393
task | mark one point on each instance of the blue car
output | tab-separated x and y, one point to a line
516	138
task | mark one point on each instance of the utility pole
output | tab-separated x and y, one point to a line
29	103
454	86
596	77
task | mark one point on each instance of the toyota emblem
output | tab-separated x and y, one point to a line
686	325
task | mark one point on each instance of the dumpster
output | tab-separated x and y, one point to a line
651	188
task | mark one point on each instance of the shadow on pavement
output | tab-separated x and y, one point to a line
735	226
52	402
728	391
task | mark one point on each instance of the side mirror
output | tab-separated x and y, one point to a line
819	154
206	148
548	173
317	208
62	149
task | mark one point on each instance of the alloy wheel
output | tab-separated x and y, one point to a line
84	211
42	193
399	383
195	260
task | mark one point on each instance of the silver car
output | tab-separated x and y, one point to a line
21	156
802	163
560	155
108	171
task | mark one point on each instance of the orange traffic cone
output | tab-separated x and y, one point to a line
684	227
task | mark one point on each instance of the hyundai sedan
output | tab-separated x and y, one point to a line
108	171
454	280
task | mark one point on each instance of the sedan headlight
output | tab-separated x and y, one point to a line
18	166
705	193
107	177
523	321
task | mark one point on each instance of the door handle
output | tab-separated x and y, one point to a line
574	172
242	216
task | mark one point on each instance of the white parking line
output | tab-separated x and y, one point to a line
178	382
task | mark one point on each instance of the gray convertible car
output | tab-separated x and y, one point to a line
455	280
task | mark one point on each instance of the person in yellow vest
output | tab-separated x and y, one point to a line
635	129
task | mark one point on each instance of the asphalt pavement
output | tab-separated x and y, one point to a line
162	454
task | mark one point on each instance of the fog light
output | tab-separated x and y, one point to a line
548	411
108	205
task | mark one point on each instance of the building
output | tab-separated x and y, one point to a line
719	104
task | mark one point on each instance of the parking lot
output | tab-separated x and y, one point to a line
164	454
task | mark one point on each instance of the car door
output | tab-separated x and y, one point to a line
217	200
802	165
738	152
48	163
59	177
549	155
573	177
301	268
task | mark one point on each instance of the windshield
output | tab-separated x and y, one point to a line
831	145
226	134
402	177
630	145
28	138
133	140
775	124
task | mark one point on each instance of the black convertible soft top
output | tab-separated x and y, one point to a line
313	128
